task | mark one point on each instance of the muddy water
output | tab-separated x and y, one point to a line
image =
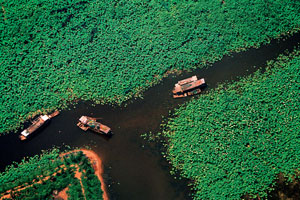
134	169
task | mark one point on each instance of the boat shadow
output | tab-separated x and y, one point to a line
106	137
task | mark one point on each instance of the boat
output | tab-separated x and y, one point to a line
36	125
86	123
188	87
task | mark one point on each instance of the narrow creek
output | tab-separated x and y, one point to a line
132	168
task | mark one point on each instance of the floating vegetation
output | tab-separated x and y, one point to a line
55	52
236	139
40	177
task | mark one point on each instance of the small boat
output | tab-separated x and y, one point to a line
37	124
188	87
86	123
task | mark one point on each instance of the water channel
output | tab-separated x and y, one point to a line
135	169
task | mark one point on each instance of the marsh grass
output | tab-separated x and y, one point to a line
53	53
236	139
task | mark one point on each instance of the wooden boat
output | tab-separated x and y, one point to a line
86	123
188	87
37	124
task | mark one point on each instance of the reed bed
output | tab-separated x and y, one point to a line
236	139
55	52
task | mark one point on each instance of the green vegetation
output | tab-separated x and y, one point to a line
38	177
75	191
54	52
236	139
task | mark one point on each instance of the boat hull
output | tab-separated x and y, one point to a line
188	87
34	131
37	125
86	123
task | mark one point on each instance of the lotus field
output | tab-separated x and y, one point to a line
39	176
55	52
236	139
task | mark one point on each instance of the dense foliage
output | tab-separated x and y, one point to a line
75	192
236	139
53	52
38	177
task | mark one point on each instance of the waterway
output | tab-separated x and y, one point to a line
133	167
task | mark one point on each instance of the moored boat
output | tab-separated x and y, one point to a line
37	124
188	87
86	123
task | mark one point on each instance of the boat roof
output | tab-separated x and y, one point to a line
83	119
188	85
25	133
188	80
45	117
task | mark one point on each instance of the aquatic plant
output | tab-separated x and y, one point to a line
38	176
55	52
236	139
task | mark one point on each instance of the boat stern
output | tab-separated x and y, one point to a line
82	126
177	89
23	135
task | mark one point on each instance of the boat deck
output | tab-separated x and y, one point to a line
188	87
36	124
86	123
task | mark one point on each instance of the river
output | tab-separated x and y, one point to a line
133	167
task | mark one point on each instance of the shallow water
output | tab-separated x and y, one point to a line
133	168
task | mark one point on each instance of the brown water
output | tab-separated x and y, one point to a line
133	167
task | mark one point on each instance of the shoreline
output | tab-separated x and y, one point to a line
96	163
97	166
